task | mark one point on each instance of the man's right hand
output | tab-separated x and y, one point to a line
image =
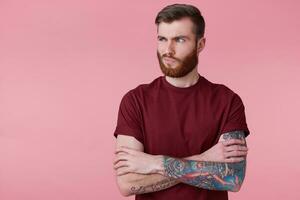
233	150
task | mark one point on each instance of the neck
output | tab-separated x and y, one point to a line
185	81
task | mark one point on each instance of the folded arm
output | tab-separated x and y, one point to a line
135	183
198	170
207	174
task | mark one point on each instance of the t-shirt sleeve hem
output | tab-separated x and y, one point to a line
128	131
236	128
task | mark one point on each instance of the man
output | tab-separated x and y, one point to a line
181	136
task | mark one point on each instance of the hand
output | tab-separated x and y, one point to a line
132	161
233	150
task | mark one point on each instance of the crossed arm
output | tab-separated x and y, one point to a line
215	169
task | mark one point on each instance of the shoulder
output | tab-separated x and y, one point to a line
144	89
219	91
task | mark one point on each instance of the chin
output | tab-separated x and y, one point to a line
173	66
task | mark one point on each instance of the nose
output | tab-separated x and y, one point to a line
169	49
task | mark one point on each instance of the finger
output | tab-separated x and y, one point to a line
120	151
125	147
120	164
233	141
234	159
235	154
236	148
123	171
120	158
125	150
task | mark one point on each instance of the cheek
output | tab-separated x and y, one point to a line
184	53
160	49
186	49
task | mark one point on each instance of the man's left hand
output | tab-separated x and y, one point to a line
132	161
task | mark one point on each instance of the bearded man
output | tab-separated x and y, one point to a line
180	136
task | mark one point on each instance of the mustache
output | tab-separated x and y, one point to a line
166	56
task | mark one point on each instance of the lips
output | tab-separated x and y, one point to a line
169	60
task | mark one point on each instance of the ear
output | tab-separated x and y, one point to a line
201	44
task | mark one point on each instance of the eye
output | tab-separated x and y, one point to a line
161	39
181	40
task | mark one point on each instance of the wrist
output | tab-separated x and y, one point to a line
198	157
159	165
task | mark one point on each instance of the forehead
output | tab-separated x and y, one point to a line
182	26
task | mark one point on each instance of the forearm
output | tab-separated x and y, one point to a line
205	174
133	183
137	172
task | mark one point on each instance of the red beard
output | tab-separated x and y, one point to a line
184	67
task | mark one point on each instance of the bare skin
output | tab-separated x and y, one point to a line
139	173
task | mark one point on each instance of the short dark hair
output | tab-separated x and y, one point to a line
174	12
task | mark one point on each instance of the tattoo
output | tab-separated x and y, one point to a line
160	185
234	135
206	174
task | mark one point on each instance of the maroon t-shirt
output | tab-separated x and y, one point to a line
180	122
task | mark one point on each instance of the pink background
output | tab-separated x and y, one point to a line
64	66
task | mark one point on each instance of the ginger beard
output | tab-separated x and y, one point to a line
183	67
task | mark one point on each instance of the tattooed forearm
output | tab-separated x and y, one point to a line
206	174
160	185
140	184
234	135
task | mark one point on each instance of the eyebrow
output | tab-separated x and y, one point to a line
179	36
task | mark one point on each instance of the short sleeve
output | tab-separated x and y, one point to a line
236	119
129	118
